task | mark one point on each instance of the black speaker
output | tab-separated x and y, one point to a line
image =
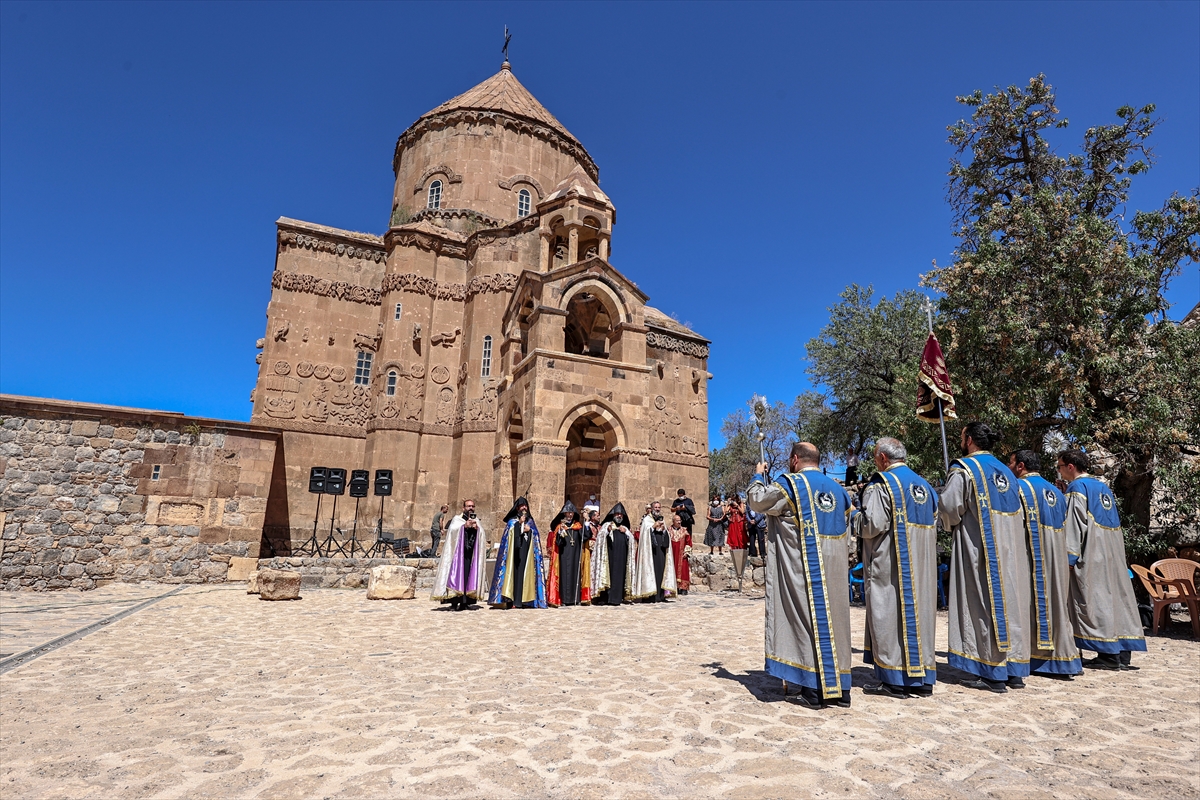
336	482
316	479
360	482
383	483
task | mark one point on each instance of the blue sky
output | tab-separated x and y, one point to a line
761	157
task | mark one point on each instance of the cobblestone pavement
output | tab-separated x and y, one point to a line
29	619
214	693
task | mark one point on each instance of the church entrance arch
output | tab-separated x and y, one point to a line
594	436
592	315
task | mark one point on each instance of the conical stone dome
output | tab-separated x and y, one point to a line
502	92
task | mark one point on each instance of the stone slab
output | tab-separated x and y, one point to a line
240	568
278	584
392	583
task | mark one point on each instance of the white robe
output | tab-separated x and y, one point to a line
645	583
440	589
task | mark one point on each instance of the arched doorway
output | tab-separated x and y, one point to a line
590	451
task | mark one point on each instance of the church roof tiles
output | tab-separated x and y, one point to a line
502	92
580	184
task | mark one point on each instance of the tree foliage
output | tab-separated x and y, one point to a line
866	360
1053	309
731	468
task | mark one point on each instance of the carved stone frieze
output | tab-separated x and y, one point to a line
329	245
480	284
311	284
664	341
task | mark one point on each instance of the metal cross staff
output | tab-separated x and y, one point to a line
507	38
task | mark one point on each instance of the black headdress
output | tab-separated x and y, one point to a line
516	509
567	507
618	509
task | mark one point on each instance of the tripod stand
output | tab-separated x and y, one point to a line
330	542
312	540
354	532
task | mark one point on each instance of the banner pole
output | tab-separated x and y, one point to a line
945	450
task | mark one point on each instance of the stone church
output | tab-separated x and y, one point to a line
484	346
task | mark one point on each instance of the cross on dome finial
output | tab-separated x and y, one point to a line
507	39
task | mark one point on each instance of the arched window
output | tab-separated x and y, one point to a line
391	383
523	202
486	370
435	195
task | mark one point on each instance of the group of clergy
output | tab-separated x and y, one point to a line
606	562
1036	576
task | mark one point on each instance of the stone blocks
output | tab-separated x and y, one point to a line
240	569
277	584
392	583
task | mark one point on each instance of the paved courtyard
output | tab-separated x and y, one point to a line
213	693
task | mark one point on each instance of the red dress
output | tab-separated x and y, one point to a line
681	539
736	538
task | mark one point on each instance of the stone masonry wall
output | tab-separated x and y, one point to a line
94	494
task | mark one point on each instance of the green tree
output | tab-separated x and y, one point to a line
1053	309
731	468
866	360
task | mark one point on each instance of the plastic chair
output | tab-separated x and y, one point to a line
1163	593
943	571
856	581
1176	569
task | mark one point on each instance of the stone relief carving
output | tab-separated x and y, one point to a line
484	408
462	373
439	374
660	402
665	423
260	344
282	368
258	358
304	338
278	383
304	369
364	342
664	342
324	245
349	406
445	406
337	374
281	331
280	407
445	339
416	332
480	284
322	287
321	371
315	407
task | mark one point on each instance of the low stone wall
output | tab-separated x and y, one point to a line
91	494
715	573
349	573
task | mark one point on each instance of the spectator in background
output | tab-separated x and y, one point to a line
592	506
756	533
686	509
437	529
735	524
714	534
851	468
681	548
